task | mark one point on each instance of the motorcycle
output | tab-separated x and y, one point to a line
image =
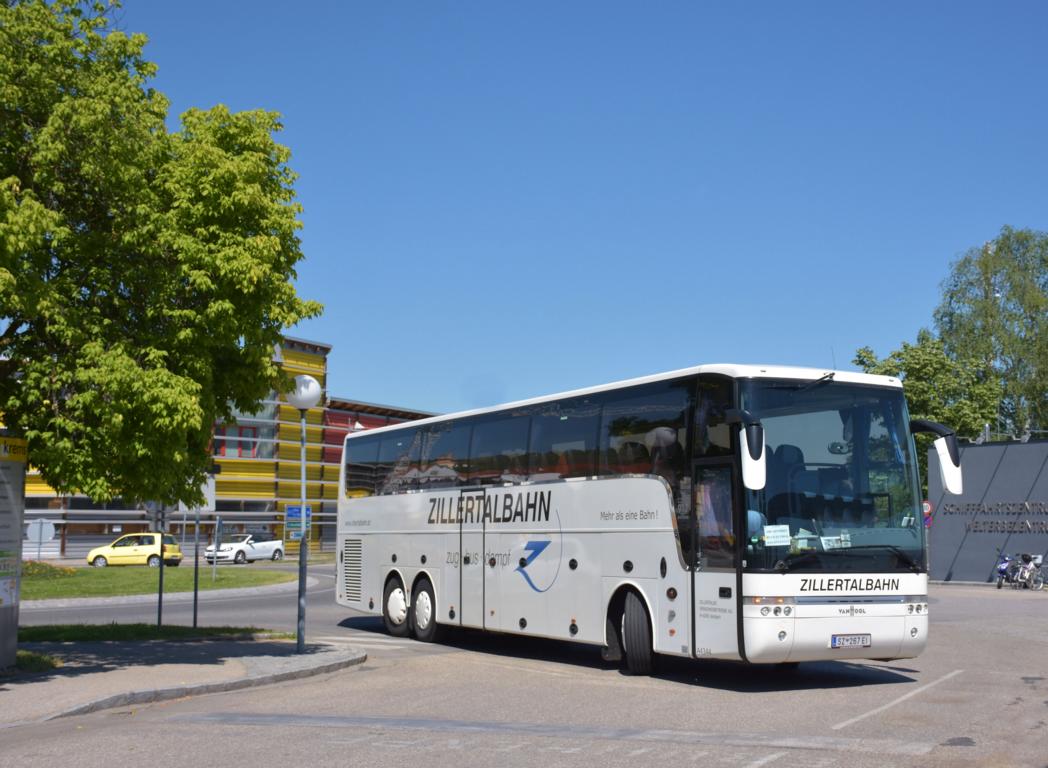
1007	568
1028	575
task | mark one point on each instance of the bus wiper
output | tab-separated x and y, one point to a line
821	380
910	563
789	561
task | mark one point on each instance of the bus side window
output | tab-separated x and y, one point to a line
445	455
398	457
564	439
361	465
643	431
498	450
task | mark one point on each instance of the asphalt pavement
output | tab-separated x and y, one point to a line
101	675
978	696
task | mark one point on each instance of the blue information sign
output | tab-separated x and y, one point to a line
293	521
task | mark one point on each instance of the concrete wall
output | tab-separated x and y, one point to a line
1004	508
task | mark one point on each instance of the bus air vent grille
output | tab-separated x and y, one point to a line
351	563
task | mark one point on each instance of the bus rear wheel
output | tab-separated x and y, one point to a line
424	612
636	636
395	609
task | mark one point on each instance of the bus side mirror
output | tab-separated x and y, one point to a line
947	451
754	463
949	464
751	447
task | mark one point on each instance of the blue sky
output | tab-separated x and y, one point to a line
505	200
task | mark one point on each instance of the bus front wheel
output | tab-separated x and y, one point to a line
636	636
395	609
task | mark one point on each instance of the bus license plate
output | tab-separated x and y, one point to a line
850	641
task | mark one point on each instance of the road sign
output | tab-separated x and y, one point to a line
293	521
40	532
12	507
207	490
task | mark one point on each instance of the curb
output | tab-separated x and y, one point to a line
178	692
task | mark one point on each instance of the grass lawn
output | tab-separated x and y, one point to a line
87	633
28	661
42	582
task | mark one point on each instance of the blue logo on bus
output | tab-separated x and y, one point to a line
534	549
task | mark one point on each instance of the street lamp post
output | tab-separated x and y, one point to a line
305	396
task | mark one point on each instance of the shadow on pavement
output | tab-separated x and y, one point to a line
89	658
723	675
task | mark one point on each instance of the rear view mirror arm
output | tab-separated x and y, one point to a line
948	452
940	430
752	425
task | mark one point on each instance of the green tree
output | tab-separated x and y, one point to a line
995	309
145	275
938	387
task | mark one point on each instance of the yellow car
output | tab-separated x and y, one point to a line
136	549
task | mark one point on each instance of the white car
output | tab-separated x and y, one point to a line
246	548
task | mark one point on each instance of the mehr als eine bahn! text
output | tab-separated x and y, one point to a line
761	514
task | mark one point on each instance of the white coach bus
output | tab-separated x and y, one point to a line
762	514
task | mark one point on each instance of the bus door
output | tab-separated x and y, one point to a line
471	557
716	627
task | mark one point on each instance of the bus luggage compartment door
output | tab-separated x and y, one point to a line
472	565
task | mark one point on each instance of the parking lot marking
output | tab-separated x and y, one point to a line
765	760
899	700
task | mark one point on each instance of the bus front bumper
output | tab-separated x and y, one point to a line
844	632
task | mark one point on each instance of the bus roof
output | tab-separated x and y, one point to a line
733	370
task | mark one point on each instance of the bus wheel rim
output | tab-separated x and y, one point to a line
397	606
423	610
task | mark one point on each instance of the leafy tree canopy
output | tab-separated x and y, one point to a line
145	275
995	309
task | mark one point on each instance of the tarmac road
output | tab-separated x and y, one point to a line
977	697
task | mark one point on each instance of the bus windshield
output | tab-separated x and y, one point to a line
841	493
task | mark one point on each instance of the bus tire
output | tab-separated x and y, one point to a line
424	612
612	650
636	636
395	608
